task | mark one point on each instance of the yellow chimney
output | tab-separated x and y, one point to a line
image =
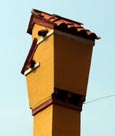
57	70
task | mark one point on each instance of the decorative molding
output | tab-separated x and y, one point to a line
79	38
40	21
30	56
42	107
29	70
63	98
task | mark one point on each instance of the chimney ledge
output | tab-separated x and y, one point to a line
29	70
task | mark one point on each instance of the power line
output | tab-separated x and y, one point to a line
98	99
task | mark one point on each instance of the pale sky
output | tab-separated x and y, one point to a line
97	15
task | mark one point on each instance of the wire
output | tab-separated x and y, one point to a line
98	99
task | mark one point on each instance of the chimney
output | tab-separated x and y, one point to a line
57	70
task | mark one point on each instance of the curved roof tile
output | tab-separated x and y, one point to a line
61	23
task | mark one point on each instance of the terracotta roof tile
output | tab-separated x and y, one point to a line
60	23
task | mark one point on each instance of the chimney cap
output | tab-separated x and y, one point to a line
60	23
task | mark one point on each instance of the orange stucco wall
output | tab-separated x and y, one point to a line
66	122
57	120
40	82
43	122
64	64
36	29
72	58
